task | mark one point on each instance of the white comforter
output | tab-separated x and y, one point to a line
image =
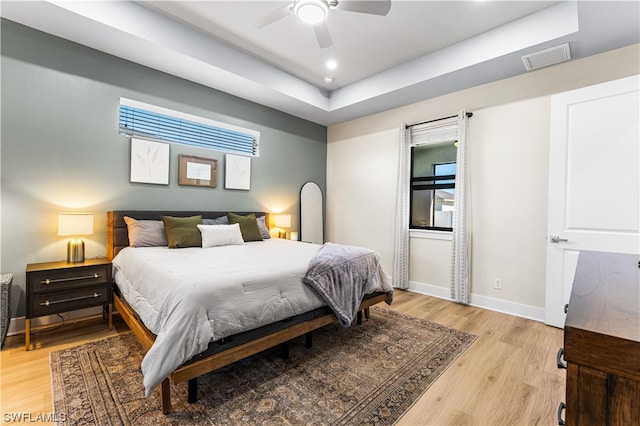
189	297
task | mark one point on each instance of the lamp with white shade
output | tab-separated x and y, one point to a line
283	221
75	224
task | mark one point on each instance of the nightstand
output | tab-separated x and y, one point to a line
55	287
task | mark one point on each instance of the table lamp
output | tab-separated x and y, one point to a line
75	224
283	221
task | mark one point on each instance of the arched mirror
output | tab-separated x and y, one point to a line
311	218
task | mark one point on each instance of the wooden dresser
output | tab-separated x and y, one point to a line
602	341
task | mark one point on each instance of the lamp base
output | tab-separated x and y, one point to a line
75	251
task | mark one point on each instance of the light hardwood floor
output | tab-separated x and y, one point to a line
507	377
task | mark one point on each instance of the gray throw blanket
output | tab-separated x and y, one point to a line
343	275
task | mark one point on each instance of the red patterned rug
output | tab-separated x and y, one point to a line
368	374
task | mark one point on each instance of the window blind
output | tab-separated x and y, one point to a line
437	132
143	120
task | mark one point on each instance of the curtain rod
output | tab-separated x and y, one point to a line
469	115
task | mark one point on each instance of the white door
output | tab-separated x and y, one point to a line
594	181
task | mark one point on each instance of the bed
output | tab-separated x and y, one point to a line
166	296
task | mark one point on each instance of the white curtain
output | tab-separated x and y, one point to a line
400	273
433	132
461	247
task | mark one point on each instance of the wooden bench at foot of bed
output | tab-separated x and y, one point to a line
203	364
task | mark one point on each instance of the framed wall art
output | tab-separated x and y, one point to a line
237	172
149	162
197	171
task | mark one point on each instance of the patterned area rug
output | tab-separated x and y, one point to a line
367	374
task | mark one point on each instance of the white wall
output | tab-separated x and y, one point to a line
509	155
509	143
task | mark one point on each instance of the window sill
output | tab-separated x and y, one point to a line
430	234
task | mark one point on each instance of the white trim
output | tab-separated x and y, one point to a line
430	290
504	306
507	307
16	325
431	234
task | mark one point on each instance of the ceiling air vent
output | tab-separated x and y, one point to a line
544	58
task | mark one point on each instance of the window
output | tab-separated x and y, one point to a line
433	182
150	121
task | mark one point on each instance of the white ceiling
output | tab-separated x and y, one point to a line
364	44
421	49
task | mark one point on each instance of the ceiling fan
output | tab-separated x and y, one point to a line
315	12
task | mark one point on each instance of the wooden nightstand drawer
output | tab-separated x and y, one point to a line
62	279
68	300
56	287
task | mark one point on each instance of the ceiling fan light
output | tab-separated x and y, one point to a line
311	12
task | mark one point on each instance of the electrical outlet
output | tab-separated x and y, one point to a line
497	283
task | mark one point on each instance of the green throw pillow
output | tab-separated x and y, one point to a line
182	231
248	226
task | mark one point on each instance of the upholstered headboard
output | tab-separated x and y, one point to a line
118	237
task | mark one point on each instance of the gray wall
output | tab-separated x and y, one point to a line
61	150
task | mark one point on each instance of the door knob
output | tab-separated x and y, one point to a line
557	239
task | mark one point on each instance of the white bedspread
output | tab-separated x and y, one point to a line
189	297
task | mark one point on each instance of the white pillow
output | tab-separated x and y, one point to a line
220	235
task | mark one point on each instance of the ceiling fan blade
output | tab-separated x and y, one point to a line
373	7
273	16
323	36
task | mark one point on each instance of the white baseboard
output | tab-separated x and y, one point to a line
430	290
506	307
16	325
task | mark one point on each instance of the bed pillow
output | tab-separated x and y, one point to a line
264	231
222	220
182	231
248	226
220	235
145	233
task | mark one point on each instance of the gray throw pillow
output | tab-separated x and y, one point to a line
145	233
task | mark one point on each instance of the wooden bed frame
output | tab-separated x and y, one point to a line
228	350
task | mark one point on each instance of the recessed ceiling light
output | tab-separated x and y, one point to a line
311	12
331	64
327	79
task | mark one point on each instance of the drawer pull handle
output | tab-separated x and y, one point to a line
62	280
561	408
560	359
71	299
566	308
